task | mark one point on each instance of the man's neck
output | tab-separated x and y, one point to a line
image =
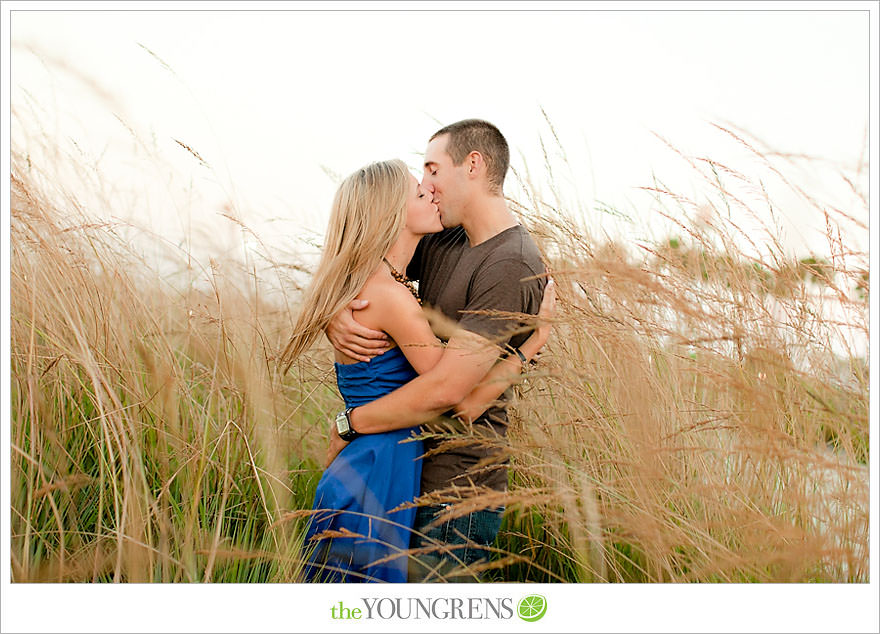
486	218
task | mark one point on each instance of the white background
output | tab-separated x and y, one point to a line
272	100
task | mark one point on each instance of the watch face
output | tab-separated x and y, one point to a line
342	426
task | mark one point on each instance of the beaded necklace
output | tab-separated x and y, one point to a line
403	279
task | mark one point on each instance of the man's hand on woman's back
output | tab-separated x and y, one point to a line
352	338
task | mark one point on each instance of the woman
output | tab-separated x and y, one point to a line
378	216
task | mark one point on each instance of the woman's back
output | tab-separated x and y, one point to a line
362	382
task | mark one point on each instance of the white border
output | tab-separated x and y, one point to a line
581	608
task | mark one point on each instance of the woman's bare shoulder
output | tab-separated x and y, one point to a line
389	299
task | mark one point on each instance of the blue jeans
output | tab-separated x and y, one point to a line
443	551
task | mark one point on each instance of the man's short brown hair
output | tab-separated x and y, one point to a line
481	136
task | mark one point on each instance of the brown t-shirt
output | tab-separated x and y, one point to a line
456	279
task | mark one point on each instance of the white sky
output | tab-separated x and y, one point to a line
271	98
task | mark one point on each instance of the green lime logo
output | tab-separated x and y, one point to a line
532	607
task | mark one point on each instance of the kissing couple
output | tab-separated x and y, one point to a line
383	507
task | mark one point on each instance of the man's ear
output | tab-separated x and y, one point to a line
476	164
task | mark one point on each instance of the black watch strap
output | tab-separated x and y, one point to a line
522	358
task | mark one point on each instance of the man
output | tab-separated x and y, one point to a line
482	261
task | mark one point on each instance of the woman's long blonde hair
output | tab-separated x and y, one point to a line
369	211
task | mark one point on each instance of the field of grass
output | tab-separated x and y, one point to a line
694	417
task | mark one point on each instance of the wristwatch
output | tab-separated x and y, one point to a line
526	364
343	425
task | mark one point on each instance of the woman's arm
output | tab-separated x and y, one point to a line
506	371
399	315
396	312
402	318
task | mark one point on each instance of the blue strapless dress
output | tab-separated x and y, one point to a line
371	476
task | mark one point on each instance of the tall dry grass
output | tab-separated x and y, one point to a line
690	419
703	414
151	437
